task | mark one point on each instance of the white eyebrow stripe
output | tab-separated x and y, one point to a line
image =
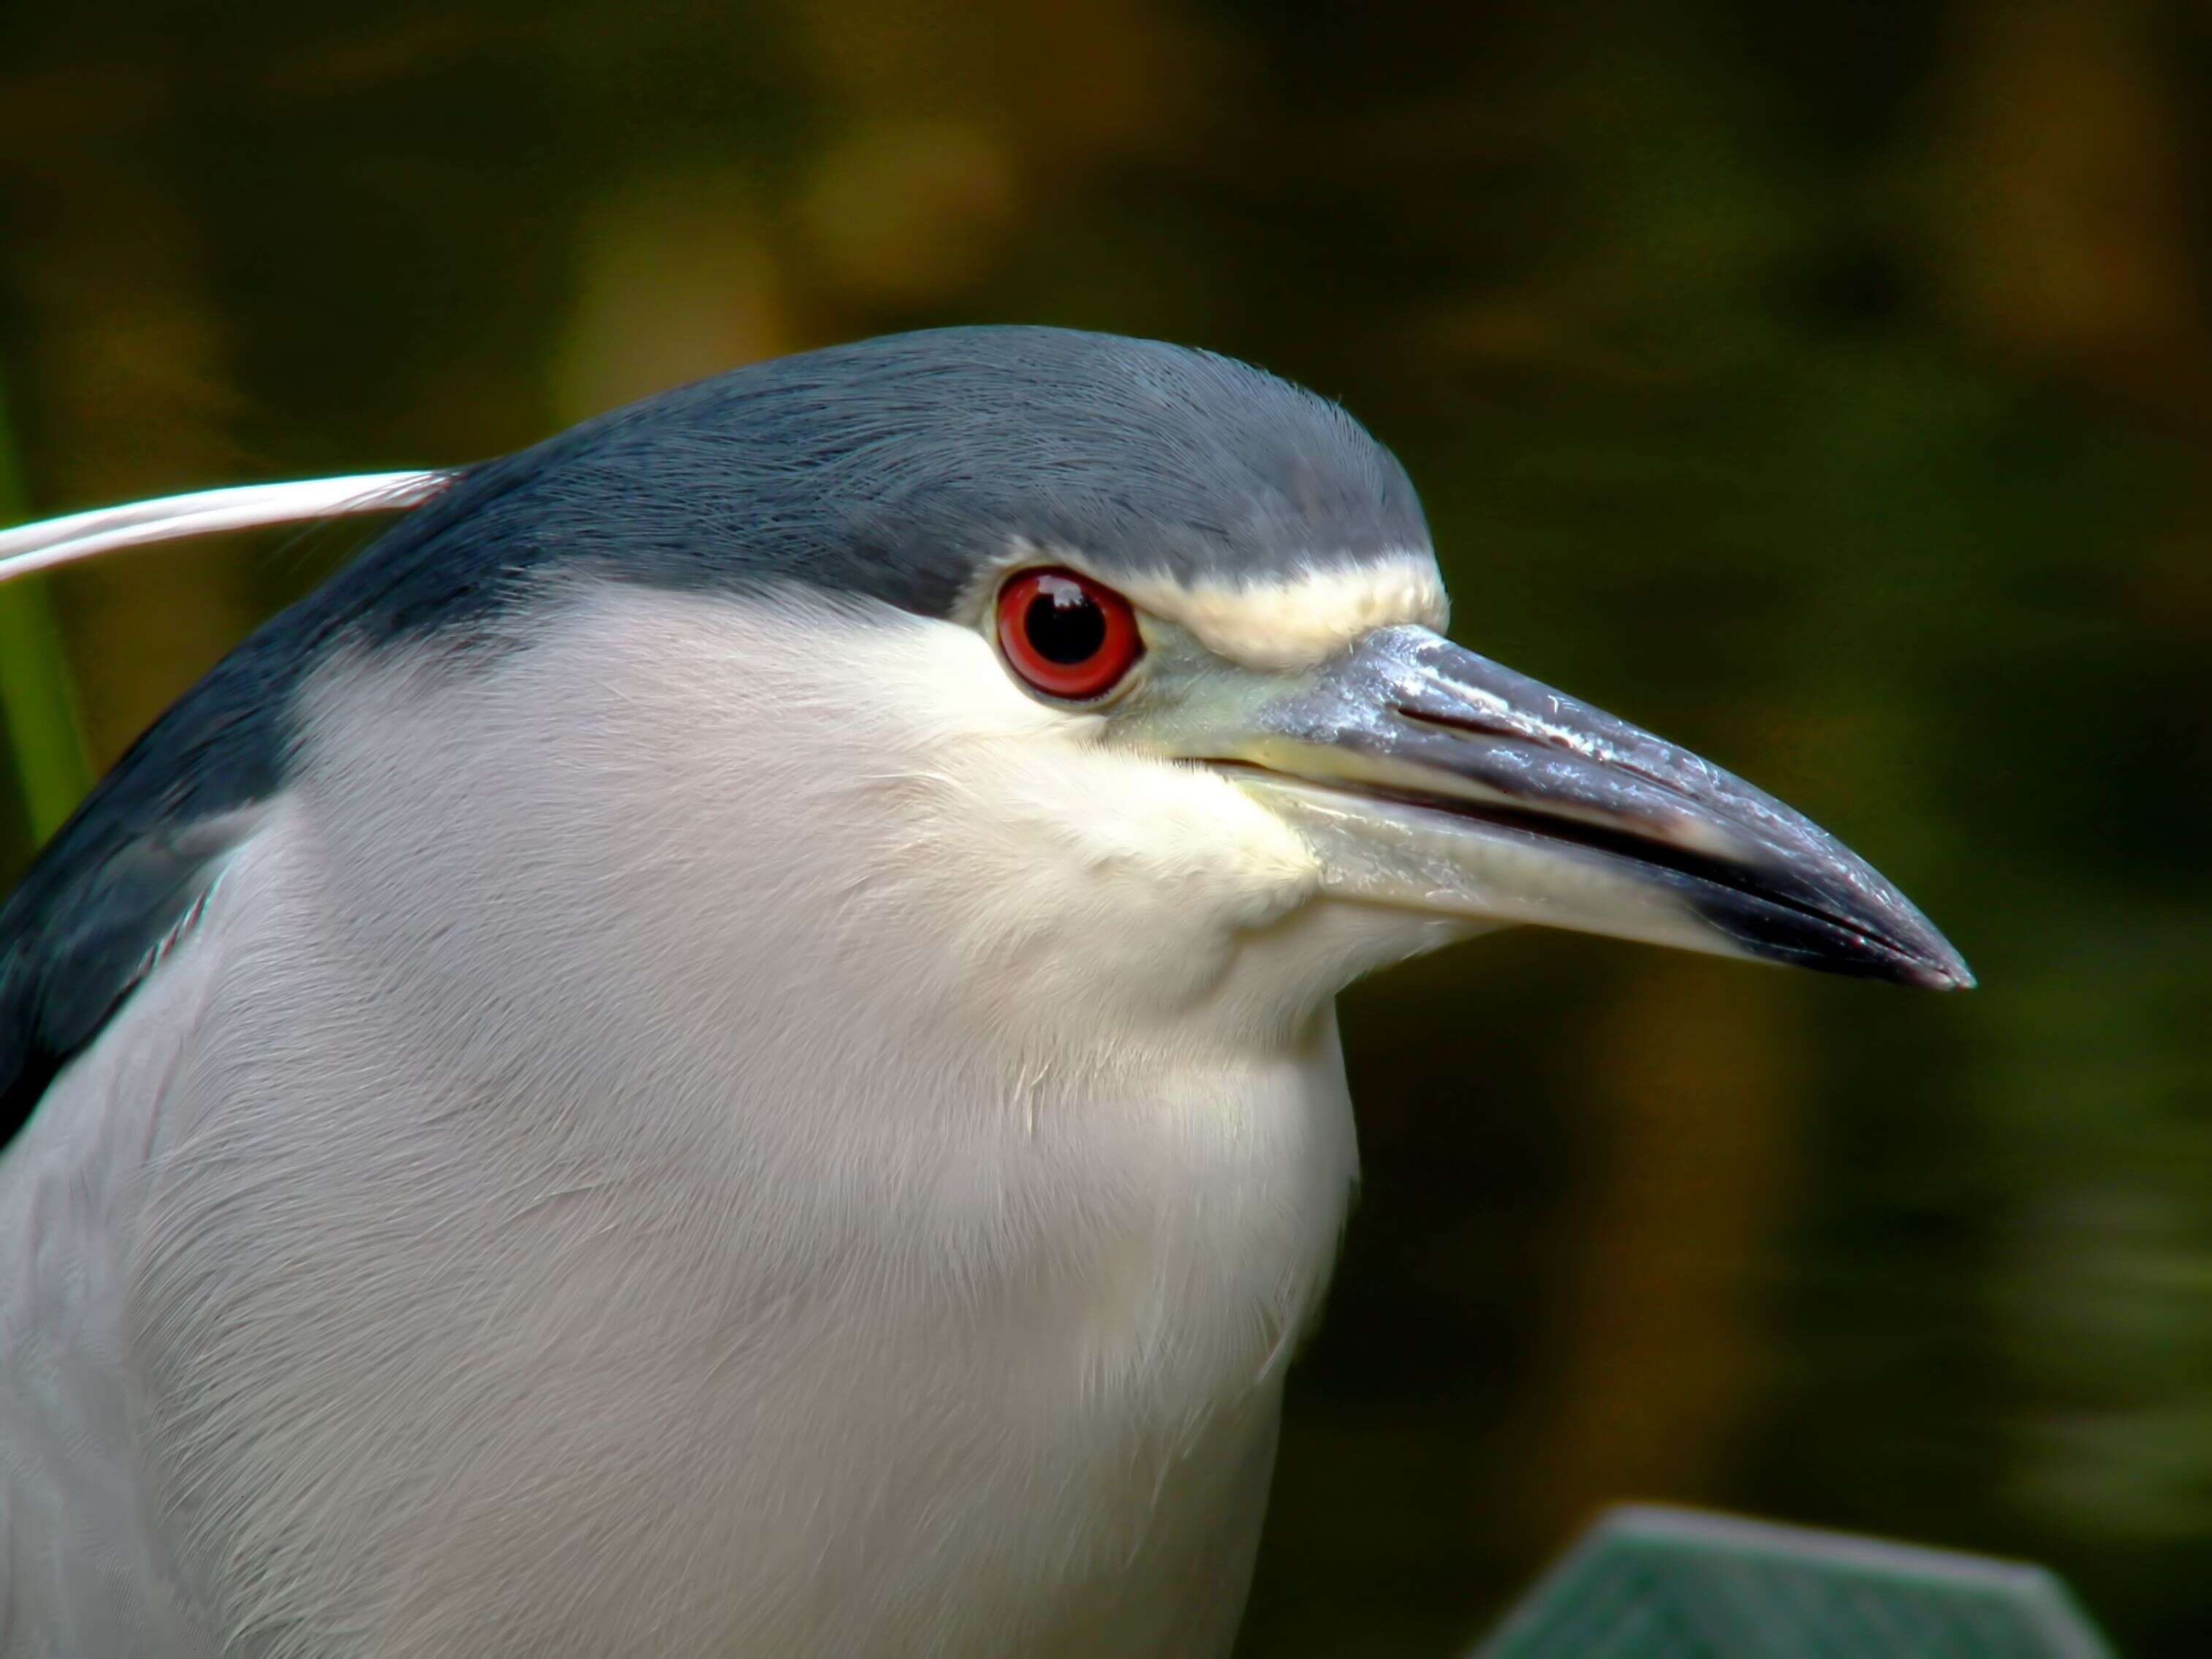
51	542
1301	620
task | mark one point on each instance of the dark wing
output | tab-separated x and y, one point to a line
127	875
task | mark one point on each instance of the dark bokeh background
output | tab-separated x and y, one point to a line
1825	385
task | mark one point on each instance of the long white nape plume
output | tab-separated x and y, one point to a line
77	536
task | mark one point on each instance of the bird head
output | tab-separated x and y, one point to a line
1131	660
1078	672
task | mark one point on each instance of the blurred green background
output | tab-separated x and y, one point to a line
1824	384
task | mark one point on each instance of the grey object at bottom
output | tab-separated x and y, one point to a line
1660	1583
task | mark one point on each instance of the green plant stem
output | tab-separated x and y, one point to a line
38	700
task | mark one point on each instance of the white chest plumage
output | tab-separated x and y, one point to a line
520	1393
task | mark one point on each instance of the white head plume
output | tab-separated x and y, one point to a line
52	542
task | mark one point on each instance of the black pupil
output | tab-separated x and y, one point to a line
1065	625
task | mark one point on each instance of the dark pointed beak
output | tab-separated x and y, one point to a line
1427	776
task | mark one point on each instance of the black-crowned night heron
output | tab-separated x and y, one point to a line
724	1045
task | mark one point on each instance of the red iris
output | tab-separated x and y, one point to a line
1065	634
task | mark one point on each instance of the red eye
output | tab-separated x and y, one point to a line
1065	634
